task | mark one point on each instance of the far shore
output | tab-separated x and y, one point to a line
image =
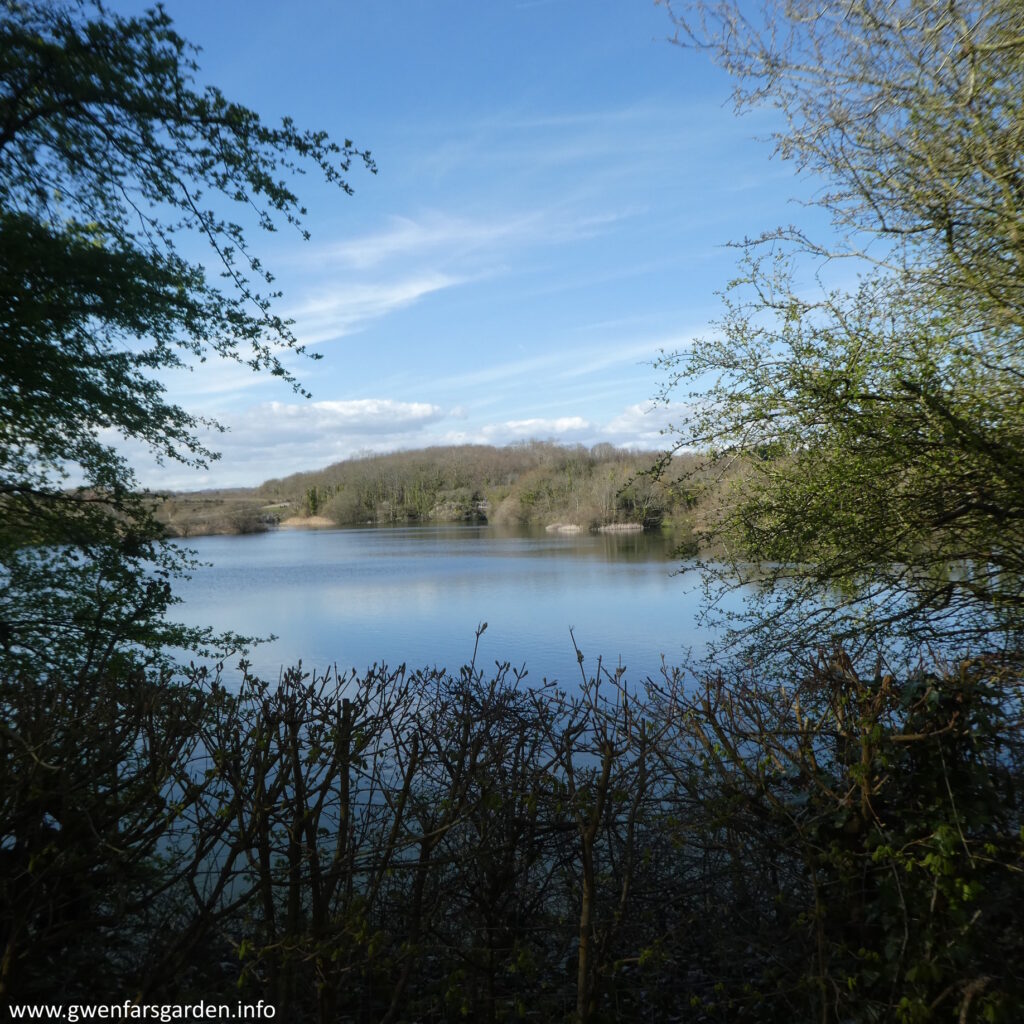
559	488
306	522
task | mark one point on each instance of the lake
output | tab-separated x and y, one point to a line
416	594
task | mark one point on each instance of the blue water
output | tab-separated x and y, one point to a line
352	598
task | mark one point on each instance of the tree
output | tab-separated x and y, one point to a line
912	114
873	436
111	163
113	166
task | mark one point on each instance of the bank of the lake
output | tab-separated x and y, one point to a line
538	484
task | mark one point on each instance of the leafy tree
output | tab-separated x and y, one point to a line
112	164
114	169
873	435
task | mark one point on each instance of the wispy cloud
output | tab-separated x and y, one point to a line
334	311
214	377
599	360
565	363
433	233
273	423
452	237
618	141
504	372
353	283
563	427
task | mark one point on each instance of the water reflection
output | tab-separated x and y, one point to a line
417	594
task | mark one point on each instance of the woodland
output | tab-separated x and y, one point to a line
535	483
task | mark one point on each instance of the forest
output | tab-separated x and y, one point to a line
535	483
825	822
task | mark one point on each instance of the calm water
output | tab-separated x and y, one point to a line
417	594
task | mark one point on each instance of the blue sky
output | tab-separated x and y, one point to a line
556	186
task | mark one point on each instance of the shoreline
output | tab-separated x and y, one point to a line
307	523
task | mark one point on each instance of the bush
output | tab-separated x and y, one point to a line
433	846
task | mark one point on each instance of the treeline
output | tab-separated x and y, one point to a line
536	483
217	512
843	846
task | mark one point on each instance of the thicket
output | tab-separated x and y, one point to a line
840	845
216	512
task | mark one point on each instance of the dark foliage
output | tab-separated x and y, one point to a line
423	846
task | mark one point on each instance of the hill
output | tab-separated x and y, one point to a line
532	484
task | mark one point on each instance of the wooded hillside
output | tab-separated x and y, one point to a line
534	484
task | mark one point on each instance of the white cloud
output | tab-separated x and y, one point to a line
278	438
273	424
561	427
336	311
275	439
641	425
431	234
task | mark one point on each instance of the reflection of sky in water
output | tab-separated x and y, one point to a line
417	595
